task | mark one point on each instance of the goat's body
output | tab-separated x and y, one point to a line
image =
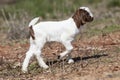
60	31
56	30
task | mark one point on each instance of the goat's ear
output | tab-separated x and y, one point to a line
83	12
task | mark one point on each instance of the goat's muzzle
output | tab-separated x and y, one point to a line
89	19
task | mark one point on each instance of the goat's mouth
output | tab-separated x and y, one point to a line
90	19
85	20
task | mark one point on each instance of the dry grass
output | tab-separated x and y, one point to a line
16	25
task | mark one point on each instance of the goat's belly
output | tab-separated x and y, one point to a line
53	38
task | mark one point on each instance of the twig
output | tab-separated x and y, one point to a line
4	16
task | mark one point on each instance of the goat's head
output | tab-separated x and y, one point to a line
86	14
82	15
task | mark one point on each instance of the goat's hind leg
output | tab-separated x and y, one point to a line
39	46
29	54
40	60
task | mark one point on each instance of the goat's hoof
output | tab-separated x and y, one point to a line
46	67
24	70
70	61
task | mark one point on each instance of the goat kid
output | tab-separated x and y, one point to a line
60	31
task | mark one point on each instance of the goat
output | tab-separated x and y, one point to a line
60	31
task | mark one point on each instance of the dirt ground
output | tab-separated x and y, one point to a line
96	58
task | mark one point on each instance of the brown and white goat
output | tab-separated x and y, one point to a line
60	31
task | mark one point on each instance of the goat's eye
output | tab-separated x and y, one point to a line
87	13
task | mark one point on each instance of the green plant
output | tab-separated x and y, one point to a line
114	3
106	29
47	8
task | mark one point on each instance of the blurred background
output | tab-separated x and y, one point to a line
16	14
96	49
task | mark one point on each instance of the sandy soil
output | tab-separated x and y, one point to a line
96	58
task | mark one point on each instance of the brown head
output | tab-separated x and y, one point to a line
82	16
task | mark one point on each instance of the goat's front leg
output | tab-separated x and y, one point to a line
69	48
70	60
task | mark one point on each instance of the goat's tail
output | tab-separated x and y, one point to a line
31	24
34	21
